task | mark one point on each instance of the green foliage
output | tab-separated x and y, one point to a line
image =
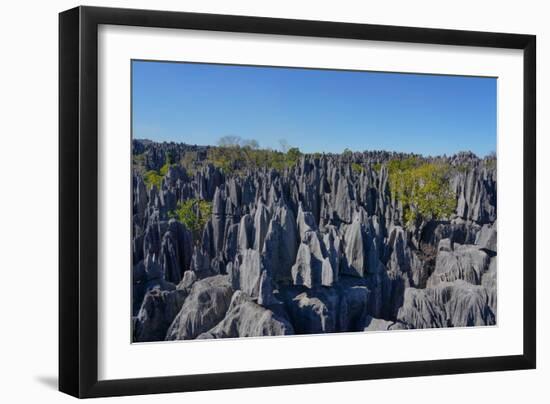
234	155
194	213
490	164
250	144
357	168
376	166
347	154
275	159
224	157
422	188
490	161
188	161
138	158
403	165
462	168
168	163
138	163
292	156
164	169
152	178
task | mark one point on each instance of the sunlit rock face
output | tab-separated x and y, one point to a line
320	245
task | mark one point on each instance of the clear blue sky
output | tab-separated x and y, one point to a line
315	110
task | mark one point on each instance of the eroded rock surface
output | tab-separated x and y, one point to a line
205	307
245	318
319	246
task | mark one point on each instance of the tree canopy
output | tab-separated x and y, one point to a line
422	188
234	154
194	213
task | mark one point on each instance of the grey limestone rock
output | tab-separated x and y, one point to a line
344	200
248	264
333	246
356	248
404	259
326	310
315	312
420	310
377	324
200	263
261	224
487	238
246	233
280	246
189	277
175	251
489	281
246	318
265	290
313	266
306	222
477	195
205	307
320	245
455	261
158	310
231	244
454	304
152	268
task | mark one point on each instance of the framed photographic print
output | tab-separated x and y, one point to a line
251	201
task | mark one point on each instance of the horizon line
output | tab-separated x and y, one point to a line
488	155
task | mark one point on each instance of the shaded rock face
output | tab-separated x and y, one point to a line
320	246
281	245
205	307
377	324
356	249
456	304
455	261
487	239
245	318
477	190
313	266
175	251
158	310
249	267
325	310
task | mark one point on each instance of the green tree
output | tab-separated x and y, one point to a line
189	161
293	155
250	144
357	168
168	162
138	163
422	188
229	141
164	169
490	161
194	213
151	178
347	154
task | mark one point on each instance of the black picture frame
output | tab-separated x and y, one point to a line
78	201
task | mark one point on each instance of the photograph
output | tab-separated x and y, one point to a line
272	201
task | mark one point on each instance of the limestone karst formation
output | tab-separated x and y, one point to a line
319	246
